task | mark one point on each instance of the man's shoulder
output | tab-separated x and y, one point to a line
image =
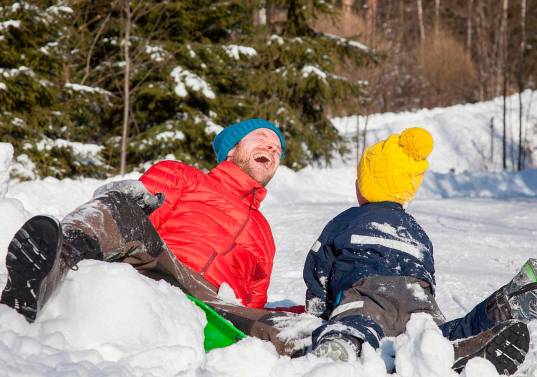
172	167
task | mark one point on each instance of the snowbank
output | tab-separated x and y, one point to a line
337	185
462	133
12	211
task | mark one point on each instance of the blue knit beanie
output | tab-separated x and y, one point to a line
232	134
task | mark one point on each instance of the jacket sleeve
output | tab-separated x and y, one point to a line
168	178
317	270
258	288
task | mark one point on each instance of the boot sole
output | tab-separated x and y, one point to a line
32	253
506	350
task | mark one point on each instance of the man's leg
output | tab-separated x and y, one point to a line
259	323
33	255
108	227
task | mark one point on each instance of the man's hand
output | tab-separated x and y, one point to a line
136	191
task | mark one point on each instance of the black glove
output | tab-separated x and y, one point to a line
135	190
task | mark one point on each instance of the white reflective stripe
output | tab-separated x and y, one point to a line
316	246
406	247
346	307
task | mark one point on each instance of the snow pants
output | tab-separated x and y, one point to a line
113	228
379	306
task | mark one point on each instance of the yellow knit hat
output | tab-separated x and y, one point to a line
392	170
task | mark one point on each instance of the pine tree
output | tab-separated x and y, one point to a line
196	66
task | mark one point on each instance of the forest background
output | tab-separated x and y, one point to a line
94	88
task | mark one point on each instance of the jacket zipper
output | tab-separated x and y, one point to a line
232	245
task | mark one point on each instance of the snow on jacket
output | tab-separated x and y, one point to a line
376	239
211	223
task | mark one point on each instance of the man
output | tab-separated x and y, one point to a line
210	222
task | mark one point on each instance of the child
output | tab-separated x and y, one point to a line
373	266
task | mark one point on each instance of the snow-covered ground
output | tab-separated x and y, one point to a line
107	320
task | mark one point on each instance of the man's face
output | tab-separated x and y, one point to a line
258	154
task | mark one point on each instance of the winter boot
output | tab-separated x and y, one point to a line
338	347
505	346
521	292
32	263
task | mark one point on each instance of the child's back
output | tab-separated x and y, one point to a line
375	239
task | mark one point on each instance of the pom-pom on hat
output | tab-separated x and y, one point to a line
232	134
393	169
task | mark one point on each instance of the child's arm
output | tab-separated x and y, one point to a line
316	276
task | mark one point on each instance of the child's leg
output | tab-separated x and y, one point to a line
516	300
375	307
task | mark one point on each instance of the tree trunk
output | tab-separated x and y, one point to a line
126	88
420	20
521	81
469	27
371	21
436	17
503	62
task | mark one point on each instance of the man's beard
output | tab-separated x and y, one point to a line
243	161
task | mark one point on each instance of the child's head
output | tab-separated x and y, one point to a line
392	170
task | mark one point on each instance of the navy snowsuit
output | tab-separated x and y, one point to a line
370	269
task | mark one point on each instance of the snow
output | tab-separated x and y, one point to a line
12	72
226	294
462	132
308	70
350	42
107	320
276	38
186	79
170	135
58	9
235	51
87	153
156	53
425	351
4	25
3	86
87	89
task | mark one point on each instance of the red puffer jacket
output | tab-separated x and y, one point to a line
212	224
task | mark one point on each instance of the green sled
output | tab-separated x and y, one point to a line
219	332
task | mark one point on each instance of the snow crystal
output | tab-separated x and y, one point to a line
156	53
86	89
186	79
307	70
213	128
349	42
275	38
234	51
191	52
58	9
170	135
45	49
4	25
13	72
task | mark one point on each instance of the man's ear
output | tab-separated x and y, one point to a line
231	153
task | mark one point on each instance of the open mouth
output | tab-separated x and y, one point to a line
263	159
